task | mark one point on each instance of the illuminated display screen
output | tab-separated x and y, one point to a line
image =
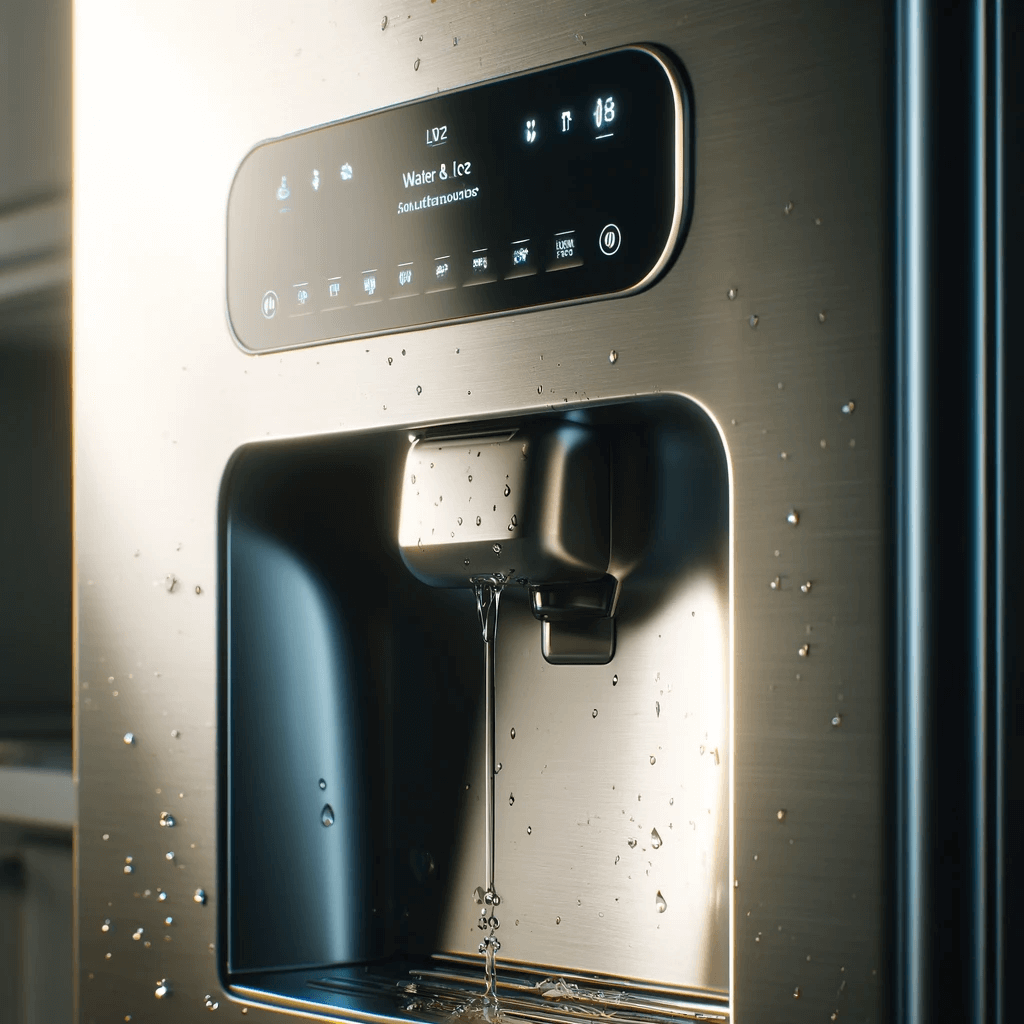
551	187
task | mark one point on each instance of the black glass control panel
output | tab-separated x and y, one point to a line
550	187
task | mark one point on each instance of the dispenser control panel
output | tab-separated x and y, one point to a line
551	187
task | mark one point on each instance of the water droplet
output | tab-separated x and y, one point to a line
655	839
823	443
128	869
199	896
631	843
163	989
821	317
497	768
781	814
327	816
419	387
210	1003
478	895
837	720
613	356
322	783
615	680
776	584
732	293
170	582
593	714
659	902
657	709
806	587
511	799
137	934
793	518
514	521
496	548
653	759
788	208
804	650
529	830
754	320
167	820
129	739
853	442
796	992
558	920
849	407
671	800
512	733
702	748
168	921
383	23
416	63
105	927
508	490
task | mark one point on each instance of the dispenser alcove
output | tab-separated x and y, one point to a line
338	665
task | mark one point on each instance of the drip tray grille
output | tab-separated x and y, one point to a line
449	989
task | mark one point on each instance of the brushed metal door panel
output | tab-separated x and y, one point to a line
790	104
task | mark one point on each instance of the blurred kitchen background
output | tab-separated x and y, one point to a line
37	795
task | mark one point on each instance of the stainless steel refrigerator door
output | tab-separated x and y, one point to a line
775	319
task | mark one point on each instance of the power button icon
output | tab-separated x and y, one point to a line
610	239
270	304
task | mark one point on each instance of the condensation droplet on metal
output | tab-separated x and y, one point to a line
806	587
781	814
837	720
788	208
137	934
660	903
776	584
613	356
655	839
199	896
383	23
129	739
327	816
529	830
508	490
105	927
653	759
168	921
496	548
784	456
512	733
793	518
732	293
163	989
821	317
754	320
167	820
849	408
419	389
803	650
322	783
593	714
631	843
416	64
511	799
796	992
823	443
170	582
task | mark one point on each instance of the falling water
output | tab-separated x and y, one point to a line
488	594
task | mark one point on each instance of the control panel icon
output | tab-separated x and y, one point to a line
369	283
316	180
333	289
610	239
566	121
531	130
269	305
404	276
301	294
346	172
284	191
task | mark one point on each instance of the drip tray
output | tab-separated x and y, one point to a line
448	988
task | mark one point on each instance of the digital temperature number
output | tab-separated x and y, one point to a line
437	136
604	111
